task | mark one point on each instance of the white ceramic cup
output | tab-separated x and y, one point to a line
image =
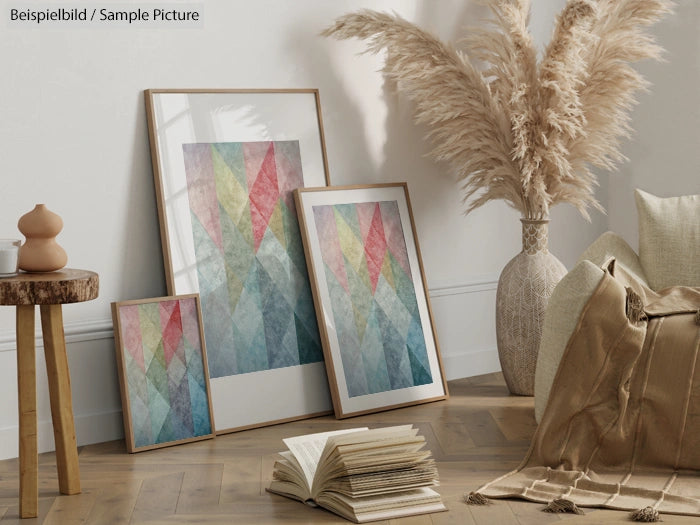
9	254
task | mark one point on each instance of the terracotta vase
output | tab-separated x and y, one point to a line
41	252
524	288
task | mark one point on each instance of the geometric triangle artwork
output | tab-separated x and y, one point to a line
163	369
254	287
372	296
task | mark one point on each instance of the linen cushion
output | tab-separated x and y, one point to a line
610	245
560	319
669	239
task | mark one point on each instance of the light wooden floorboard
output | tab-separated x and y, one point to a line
74	510
480	433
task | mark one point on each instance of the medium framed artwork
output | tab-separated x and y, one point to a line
163	375
373	309
226	163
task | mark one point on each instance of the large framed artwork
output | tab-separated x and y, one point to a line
163	376
226	163
373	309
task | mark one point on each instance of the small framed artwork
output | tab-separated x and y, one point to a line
226	163
163	375
372	305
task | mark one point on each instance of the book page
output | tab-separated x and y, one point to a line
385	507
378	437
308	449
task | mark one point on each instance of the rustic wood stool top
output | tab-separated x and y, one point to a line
60	287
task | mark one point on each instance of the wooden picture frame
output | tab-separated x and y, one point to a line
163	374
225	163
373	309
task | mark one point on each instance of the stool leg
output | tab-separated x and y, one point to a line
26	386
60	396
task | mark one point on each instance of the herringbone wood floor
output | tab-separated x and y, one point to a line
478	434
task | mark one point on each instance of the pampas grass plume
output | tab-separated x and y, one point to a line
525	131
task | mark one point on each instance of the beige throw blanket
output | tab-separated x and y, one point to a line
622	425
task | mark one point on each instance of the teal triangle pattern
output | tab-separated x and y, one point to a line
380	333
247	325
255	298
350	349
376	367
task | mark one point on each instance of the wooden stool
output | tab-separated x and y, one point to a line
49	291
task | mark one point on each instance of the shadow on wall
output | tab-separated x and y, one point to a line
435	191
349	160
663	150
142	258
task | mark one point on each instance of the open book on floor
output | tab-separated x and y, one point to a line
362	475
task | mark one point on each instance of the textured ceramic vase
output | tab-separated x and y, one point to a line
524	288
41	252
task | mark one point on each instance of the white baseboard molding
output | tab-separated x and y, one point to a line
484	284
470	364
93	428
465	322
75	331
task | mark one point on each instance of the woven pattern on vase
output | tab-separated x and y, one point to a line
524	288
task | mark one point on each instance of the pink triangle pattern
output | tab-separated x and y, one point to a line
365	214
329	239
131	333
171	321
202	190
263	189
375	246
395	238
289	172
190	324
254	154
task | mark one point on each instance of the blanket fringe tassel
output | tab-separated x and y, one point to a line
474	498
634	307
647	515
562	505
697	317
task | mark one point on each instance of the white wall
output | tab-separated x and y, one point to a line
73	136
665	151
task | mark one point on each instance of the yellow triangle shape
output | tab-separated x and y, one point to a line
276	224
350	245
386	270
232	196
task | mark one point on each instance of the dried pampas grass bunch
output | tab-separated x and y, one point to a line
522	130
